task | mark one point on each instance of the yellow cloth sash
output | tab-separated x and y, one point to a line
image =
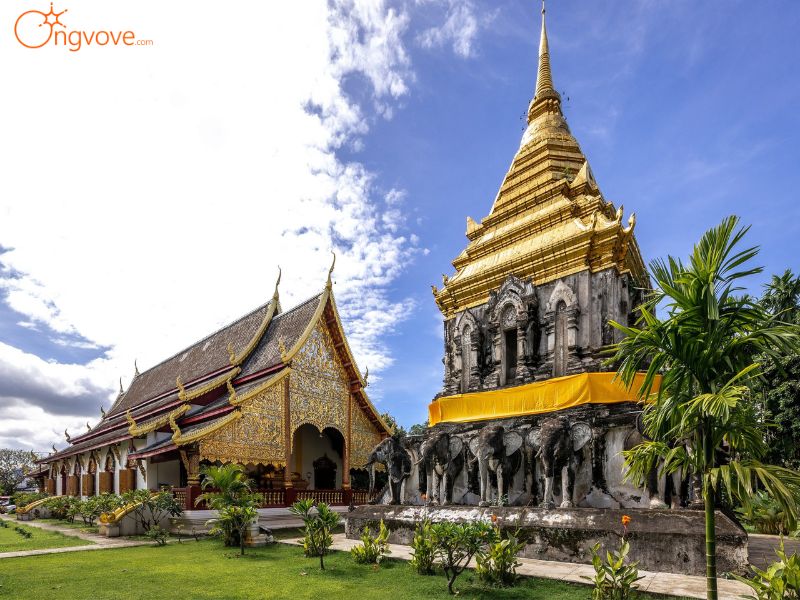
534	398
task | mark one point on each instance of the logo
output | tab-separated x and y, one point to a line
35	29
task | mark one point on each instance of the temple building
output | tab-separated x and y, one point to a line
540	280
278	392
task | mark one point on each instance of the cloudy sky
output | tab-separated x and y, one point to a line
149	193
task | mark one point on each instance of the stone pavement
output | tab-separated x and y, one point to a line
98	542
669	584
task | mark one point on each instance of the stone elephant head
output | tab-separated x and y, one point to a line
495	449
441	454
557	443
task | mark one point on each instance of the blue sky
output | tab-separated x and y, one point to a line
687	112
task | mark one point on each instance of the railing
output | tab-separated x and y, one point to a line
275	498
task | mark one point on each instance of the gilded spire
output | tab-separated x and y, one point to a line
544	77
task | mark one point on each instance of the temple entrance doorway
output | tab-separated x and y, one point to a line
318	457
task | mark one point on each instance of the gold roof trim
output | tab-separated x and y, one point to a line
238	359
218	381
136	430
236	400
179	439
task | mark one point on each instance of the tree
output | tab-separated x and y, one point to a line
14	467
456	543
708	348
394	427
231	495
418	428
781	377
319	521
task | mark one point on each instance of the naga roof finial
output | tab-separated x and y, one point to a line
330	271
88	427
120	386
54	448
102	411
66	435
135	368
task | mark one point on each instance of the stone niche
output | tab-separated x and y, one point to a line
661	540
526	333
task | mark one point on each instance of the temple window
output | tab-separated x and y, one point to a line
509	324
561	343
466	355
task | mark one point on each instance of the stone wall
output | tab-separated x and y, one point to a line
661	540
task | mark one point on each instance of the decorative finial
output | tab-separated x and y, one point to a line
445	279
66	435
366	377
434	289
135	368
231	392
181	389
618	216
88	427
130	419
54	448
282	348
330	271
120	386
232	353
278	282
102	411
544	77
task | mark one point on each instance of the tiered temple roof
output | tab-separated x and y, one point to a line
196	390
549	218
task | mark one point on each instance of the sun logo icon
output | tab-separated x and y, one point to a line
36	27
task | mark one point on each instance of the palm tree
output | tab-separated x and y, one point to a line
782	296
230	490
706	348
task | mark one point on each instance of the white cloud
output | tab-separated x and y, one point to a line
150	193
459	29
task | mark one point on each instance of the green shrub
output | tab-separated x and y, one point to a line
780	580
456	544
424	551
319	521
22	499
158	534
23	532
616	578
59	506
372	549
497	563
765	515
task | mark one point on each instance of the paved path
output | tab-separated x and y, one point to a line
761	548
656	583
98	542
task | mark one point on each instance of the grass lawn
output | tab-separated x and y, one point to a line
207	570
11	541
77	524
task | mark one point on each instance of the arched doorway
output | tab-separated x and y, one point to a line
318	456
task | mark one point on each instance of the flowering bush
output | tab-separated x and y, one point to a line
614	579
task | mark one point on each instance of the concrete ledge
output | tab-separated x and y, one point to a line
670	541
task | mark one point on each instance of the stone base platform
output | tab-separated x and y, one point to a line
671	541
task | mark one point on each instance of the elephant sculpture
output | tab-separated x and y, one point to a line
391	454
558	445
497	451
441	454
657	487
